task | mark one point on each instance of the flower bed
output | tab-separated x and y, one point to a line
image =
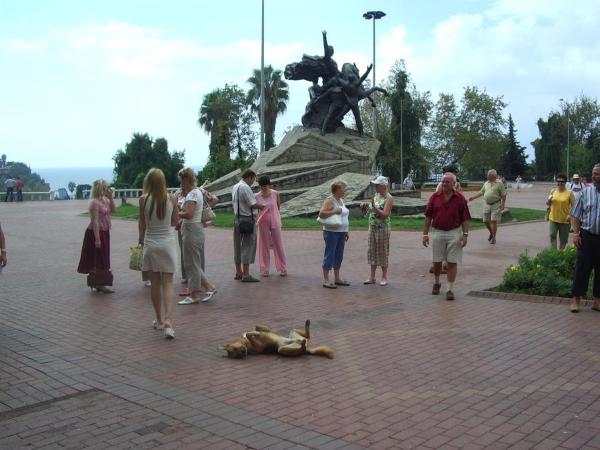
549	273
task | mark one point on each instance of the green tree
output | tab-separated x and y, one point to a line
226	115
275	101
514	160
140	155
33	182
401	117
72	186
470	134
550	146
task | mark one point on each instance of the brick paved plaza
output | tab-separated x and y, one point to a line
81	369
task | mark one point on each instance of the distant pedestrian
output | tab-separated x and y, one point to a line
560	202
379	211
585	219
95	251
585	182
494	198
193	239
180	195
269	229
19	184
575	186
158	214
447	215
244	235
335	237
10	185
3	258
518	181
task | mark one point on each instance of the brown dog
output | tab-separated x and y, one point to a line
262	340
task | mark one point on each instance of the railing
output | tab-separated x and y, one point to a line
126	193
30	196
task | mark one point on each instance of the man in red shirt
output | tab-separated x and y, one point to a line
447	215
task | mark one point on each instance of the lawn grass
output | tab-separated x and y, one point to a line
225	219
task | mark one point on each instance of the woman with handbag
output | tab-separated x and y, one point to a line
192	232
379	210
334	217
158	214
269	229
95	251
559	204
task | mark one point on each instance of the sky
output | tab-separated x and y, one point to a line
78	78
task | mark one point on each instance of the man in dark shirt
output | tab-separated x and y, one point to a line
447	215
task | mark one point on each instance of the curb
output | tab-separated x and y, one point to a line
516	297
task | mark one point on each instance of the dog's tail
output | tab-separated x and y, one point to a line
321	351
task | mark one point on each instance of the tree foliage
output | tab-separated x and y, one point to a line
514	160
469	134
140	155
226	115
33	182
576	126
275	101
400	119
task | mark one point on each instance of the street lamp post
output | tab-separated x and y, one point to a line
568	140
262	79
374	15
401	153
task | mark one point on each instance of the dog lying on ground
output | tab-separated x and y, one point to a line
263	340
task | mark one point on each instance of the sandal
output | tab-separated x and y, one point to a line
329	286
342	283
238	276
369	281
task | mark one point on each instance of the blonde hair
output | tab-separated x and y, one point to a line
155	189
98	189
338	184
187	174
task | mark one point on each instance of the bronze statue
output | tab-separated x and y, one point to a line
339	92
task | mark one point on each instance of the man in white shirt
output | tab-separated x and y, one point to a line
575	186
244	228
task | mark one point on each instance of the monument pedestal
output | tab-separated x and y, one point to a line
305	163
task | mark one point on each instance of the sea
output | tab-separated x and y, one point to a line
59	177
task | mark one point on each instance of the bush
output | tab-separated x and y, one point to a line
548	273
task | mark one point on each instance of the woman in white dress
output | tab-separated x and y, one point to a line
158	216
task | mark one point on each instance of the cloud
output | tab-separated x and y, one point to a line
531	52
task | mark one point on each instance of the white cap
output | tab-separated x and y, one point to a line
380	180
575	175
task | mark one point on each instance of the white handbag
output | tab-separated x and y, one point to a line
333	221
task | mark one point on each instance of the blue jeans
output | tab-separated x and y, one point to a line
334	249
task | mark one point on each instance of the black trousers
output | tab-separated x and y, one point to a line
588	258
9	194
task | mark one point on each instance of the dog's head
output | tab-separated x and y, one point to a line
236	350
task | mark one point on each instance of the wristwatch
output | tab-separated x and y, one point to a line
465	234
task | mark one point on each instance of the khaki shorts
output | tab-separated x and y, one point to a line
493	212
446	245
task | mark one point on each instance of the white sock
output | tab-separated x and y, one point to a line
450	285
437	279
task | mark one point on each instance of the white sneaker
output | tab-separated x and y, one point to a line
156	325
187	301
208	296
169	333
148	283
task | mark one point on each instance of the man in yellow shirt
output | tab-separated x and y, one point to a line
494	198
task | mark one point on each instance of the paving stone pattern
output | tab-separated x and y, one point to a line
85	370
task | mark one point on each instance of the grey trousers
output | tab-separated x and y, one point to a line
192	234
244	246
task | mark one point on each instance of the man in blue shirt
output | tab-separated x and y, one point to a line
585	220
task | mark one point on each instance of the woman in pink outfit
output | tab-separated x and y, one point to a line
269	229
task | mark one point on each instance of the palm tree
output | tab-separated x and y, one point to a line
213	117
275	101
